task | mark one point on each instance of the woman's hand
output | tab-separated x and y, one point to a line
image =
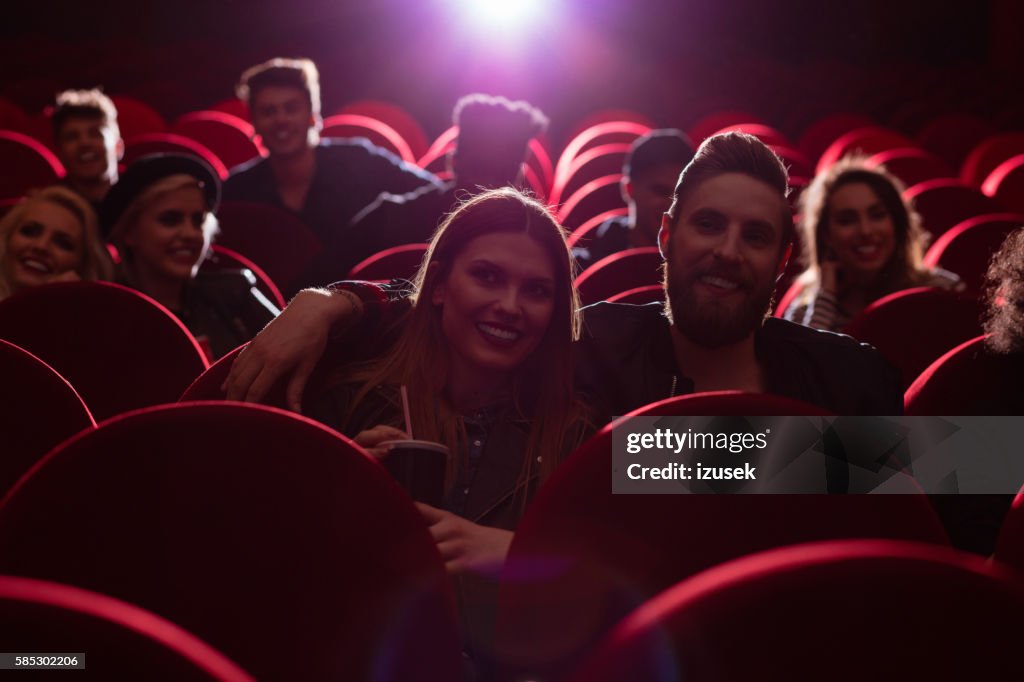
370	439
464	545
290	346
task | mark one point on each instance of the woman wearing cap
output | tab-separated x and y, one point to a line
863	242
160	218
50	237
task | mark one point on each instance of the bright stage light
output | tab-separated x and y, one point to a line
501	14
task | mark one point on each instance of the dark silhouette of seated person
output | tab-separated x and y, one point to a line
494	134
88	142
325	182
649	176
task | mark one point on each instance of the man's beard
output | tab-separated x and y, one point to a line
713	323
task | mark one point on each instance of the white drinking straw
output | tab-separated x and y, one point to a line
405	410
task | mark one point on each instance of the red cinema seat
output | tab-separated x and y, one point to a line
952	136
584	557
170	143
234	107
597	196
119	641
770	136
821	133
29	164
619	272
968	380
607	132
377	132
912	165
945	202
38	410
914	327
223	258
640	295
715	121
1006	184
986	156
120	349
268	535
273	237
398	262
1010	545
605	115
795	161
807	612
867	141
967	248
228	137
136	118
395	117
596	162
585	231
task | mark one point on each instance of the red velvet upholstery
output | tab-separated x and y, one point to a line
585	231
227	136
845	611
135	117
952	136
945	202
715	121
120	349
1006	184
120	641
824	131
36	165
913	327
868	140
596	197
595	162
606	132
968	380
640	295
38	410
273	237
395	117
619	272
170	143
912	165
583	557
988	154
266	534
398	262
377	132
967	248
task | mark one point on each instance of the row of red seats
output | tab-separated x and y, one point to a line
582	559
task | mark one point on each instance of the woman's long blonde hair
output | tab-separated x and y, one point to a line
95	263
542	388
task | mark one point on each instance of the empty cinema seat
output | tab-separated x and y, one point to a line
809	612
119	348
268	535
619	272
36	165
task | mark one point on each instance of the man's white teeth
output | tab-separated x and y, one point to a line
719	282
504	334
867	249
33	264
183	252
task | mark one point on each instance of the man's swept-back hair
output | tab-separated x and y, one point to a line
494	134
734	152
280	72
91	104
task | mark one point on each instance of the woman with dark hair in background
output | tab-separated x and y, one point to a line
862	242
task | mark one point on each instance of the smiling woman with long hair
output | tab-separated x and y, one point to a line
862	241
